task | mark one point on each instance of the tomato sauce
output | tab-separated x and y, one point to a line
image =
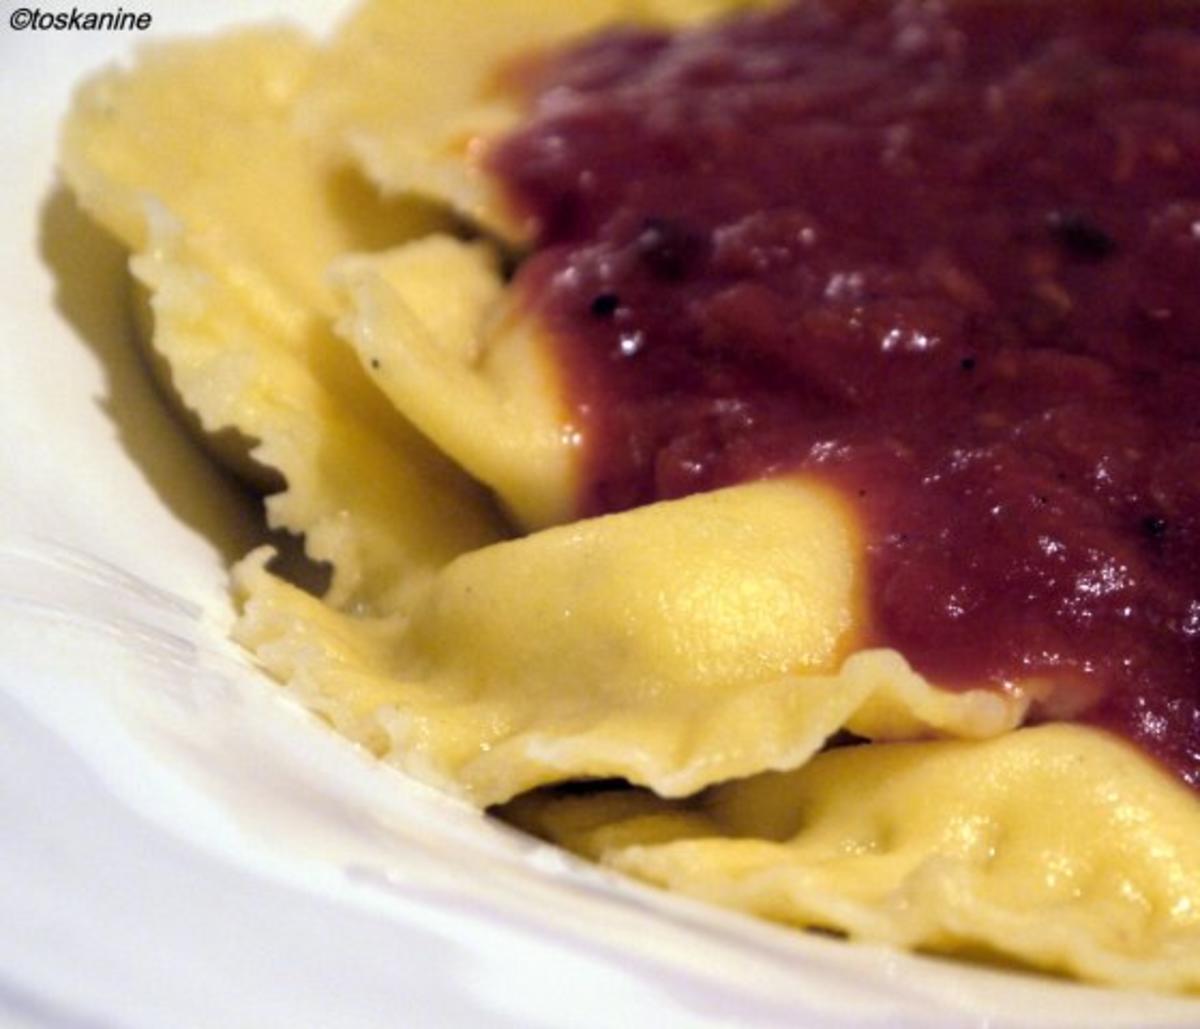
946	256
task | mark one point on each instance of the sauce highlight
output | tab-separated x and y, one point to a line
945	256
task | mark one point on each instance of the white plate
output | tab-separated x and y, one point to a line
183	847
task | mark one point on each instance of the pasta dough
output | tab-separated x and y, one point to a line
418	124
436	328
681	646
192	163
1058	846
591	655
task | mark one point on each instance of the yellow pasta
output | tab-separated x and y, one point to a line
434	326
1059	846
677	646
411	91
191	161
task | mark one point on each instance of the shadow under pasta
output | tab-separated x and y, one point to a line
91	278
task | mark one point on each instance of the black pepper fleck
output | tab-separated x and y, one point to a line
1080	236
967	364
604	305
1154	527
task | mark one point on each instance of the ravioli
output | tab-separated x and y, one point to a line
232	221
438	332
590	655
374	354
418	125
1057	846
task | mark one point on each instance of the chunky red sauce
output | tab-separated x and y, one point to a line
947	256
